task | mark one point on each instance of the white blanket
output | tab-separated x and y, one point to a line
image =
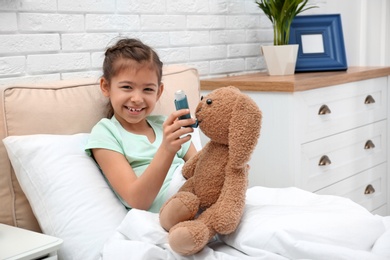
277	224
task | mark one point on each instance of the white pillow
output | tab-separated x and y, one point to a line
196	140
67	192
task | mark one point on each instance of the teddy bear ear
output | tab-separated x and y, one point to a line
244	130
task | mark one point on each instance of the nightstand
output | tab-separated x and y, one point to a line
17	243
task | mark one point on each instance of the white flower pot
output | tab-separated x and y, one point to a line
280	59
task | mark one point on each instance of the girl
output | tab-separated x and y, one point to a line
137	152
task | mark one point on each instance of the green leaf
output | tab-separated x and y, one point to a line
281	14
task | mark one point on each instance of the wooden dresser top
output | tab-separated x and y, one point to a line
298	82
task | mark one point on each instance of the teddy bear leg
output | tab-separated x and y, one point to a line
189	237
180	207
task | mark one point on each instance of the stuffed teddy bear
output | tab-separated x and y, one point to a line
212	199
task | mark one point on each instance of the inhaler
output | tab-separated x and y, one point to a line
182	103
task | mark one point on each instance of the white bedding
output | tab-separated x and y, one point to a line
284	223
277	223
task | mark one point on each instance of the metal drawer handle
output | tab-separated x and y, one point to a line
369	100
369	145
324	161
369	189
324	109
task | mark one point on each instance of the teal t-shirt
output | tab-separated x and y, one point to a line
139	152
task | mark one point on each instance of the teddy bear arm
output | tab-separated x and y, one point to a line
189	167
188	185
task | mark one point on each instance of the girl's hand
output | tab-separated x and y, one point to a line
175	132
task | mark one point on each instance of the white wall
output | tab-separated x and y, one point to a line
48	39
366	26
61	39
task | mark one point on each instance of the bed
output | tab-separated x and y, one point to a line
48	184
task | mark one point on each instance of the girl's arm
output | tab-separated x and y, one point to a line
140	192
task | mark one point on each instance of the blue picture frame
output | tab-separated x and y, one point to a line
321	42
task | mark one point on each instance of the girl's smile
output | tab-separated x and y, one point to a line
135	110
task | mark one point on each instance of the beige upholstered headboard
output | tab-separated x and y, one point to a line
64	107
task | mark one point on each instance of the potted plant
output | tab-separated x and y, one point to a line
281	14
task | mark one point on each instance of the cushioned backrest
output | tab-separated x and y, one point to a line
64	107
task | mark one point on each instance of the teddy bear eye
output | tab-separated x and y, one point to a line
201	98
209	101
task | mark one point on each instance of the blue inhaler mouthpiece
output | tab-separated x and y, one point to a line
182	103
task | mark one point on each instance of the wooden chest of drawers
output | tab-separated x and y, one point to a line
323	132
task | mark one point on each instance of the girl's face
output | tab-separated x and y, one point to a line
133	94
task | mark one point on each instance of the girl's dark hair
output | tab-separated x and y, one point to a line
129	50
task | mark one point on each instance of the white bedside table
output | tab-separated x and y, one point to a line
17	243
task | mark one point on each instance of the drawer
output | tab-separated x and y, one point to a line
348	153
368	188
382	211
347	106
